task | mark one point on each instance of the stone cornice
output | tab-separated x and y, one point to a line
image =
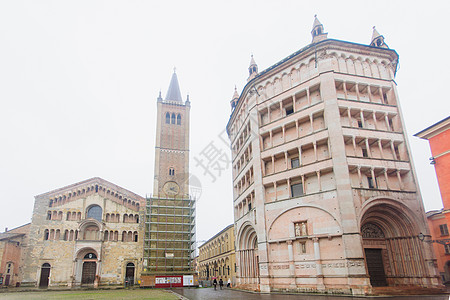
310	49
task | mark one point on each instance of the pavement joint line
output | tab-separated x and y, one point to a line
178	295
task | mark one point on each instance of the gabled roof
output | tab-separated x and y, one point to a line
434	129
173	93
15	232
79	190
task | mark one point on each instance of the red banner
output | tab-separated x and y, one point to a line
168	281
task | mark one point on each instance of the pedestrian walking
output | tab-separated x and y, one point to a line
229	283
215	283
221	283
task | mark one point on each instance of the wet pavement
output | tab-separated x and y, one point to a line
225	294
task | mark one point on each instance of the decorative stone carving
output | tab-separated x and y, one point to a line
300	229
372	231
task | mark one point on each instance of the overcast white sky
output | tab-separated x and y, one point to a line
79	82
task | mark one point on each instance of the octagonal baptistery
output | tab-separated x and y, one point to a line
325	192
86	234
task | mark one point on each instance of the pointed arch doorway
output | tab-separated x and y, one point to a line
393	253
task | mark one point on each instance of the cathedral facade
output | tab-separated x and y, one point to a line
85	234
325	193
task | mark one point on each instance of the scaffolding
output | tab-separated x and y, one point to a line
169	244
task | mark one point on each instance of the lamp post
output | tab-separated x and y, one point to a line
422	237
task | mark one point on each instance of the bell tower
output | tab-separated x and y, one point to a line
172	144
169	248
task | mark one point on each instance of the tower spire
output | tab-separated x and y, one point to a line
173	93
377	39
317	31
252	69
235	99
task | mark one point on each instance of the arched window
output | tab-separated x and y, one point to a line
46	235
171	171
179	119
167	118
173	118
95	212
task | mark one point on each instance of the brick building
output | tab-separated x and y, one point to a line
12	245
438	135
325	192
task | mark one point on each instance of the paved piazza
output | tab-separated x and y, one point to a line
211	294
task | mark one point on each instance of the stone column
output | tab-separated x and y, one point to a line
319	183
315	150
308	96
357	92
394	155
273	164
299	156
349	113
354	144
386	177
380	146
286	160
291	264
369	153
319	272
271	138
374	178
275	189
303	184
359	176
386	119
400	181
293	103
374	120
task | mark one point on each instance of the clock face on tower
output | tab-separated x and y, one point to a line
171	188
